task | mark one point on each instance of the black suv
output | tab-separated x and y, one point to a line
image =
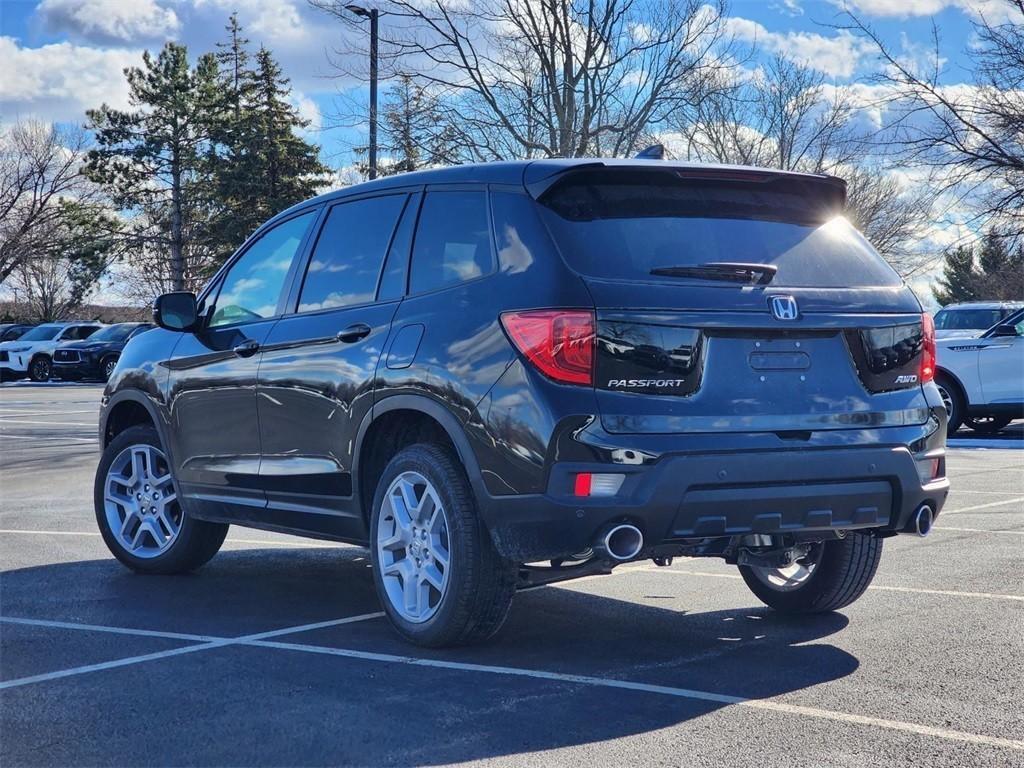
511	374
96	357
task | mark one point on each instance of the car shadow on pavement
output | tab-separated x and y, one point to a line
280	706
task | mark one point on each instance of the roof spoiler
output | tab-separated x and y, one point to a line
831	190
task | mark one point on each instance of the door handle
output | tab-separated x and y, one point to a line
247	348
354	332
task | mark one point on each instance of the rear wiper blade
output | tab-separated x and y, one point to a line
730	271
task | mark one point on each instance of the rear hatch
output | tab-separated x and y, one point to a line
736	301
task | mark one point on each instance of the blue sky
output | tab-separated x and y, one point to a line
59	57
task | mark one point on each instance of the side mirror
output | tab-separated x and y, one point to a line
176	311
1005	330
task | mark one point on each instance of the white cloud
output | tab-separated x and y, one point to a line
836	56
788	7
993	10
274	21
59	82
109	21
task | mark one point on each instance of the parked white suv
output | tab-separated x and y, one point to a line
981	380
970	319
32	354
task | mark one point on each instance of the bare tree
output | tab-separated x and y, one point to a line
40	165
552	78
781	116
973	136
786	116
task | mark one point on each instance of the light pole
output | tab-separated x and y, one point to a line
371	14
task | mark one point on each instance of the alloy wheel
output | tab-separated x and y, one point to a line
40	369
792	576
947	400
141	504
108	368
413	547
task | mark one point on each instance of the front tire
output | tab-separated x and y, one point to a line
138	511
833	575
39	369
436	571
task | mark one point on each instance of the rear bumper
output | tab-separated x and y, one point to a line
690	496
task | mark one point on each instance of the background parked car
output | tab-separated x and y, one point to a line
32	354
96	357
982	380
971	319
13	331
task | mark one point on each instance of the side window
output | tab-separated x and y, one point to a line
392	280
252	287
453	242
347	259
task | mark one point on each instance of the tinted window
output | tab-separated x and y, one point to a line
968	319
117	332
80	332
252	287
42	333
348	255
622	227
392	281
453	240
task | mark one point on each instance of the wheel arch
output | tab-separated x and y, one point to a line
128	409
955	380
401	420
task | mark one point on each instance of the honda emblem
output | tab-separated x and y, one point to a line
784	307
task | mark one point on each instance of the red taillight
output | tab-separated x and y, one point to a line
582	484
559	342
927	348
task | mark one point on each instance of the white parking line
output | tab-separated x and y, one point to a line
270	542
4	414
878	587
49	423
44	437
989	505
209	642
974	530
260	640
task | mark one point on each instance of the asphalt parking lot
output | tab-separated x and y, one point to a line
276	654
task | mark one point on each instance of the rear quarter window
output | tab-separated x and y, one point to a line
453	240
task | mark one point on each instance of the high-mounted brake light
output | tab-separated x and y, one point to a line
558	342
927	348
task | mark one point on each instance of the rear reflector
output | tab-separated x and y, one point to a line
558	342
597	484
927	348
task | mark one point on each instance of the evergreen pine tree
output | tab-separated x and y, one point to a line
267	166
960	277
152	159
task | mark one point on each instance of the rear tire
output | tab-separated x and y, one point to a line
987	425
425	532
841	571
107	367
953	399
138	512
39	369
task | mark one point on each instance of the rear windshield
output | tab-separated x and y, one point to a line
622	227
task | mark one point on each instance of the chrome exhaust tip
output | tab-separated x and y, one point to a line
622	542
923	519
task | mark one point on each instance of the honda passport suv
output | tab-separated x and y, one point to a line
504	375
